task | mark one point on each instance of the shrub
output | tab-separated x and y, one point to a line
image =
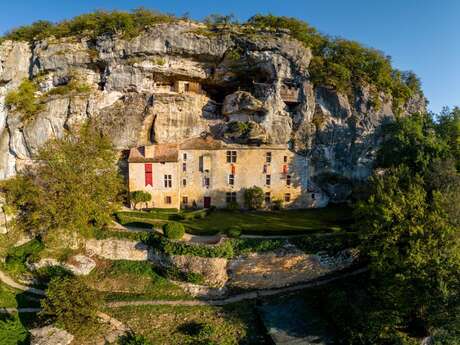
139	196
234	231
71	304
73	86
174	231
163	245
233	205
253	197
17	256
277	205
133	339
12	331
24	100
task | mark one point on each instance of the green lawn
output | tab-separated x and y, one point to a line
329	219
235	324
132	280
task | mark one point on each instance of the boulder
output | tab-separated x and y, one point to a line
50	335
241	102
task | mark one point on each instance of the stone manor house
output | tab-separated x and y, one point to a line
204	172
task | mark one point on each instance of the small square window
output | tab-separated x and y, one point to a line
184	167
268	157
285	159
231	180
231	156
185	200
268	180
230	197
288	180
287	197
168	200
184	182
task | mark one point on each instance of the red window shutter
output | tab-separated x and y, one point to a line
148	174
285	169
265	168
233	169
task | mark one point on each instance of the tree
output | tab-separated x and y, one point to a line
411	141
70	303
74	185
139	196
412	248
448	127
253	198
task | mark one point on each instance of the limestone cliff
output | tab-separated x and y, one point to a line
174	82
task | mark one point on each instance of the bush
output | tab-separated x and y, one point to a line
127	24
12	331
163	245
174	231
24	100
133	339
18	256
71	304
277	205
233	205
253	197
234	231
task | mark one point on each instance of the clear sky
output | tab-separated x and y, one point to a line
420	35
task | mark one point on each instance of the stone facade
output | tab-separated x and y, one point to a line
204	172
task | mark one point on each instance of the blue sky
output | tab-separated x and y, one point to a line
420	35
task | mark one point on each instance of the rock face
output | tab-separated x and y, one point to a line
274	269
77	264
50	335
172	83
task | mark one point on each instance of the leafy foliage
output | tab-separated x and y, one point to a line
12	331
127	24
71	304
24	100
133	339
345	64
75	184
448	127
139	196
174	231
18	256
253	198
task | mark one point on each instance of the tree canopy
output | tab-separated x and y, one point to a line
74	184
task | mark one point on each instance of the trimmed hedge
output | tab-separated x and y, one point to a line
174	231
165	246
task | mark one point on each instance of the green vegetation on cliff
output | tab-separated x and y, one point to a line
338	63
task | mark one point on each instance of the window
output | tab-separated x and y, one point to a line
148	174
268	180
288	180
285	159
287	197
313	196
231	156
268	157
206	182
285	169
231	180
187	87
184	167
168	181
268	198
168	200
185	200
184	156
230	197
184	182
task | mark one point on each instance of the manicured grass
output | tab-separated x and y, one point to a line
132	280
171	325
330	219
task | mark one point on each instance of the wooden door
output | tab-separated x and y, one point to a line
207	202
